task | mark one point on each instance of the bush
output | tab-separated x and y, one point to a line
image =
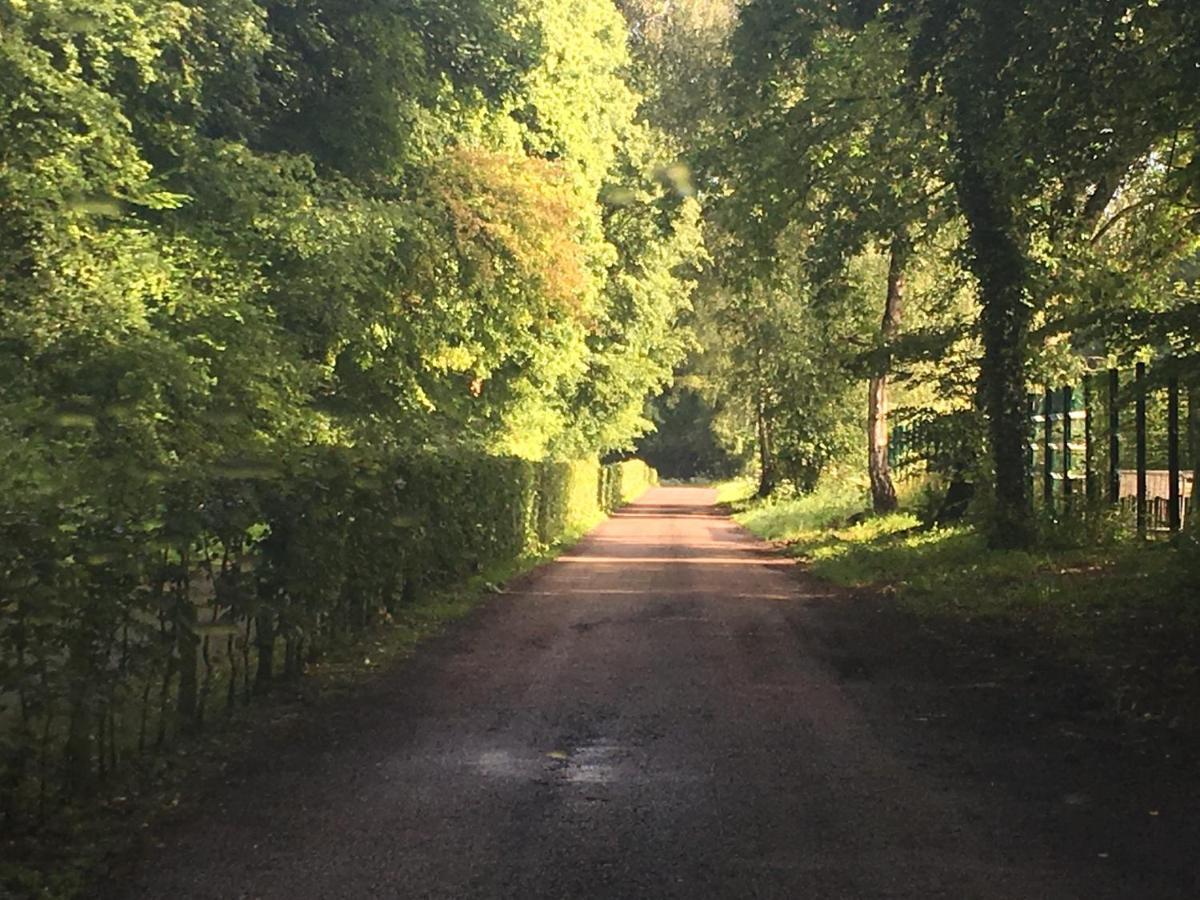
122	624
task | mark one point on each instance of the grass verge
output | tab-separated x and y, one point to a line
1127	612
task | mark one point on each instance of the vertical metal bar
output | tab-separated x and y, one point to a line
1174	516
1140	425
1114	437
1068	399
1089	462
1193	446
1031	404
1047	447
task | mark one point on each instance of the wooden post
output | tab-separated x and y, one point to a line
1047	447
1114	437
1140	425
1089	462
1175	517
1068	398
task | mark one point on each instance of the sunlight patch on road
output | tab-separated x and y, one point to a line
698	594
679	560
595	762
501	764
725	544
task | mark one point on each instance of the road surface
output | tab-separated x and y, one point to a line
641	718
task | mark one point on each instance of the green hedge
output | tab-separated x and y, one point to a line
622	482
124	624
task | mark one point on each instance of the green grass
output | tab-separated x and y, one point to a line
795	519
1071	591
736	491
1125	609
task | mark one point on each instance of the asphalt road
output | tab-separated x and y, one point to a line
641	718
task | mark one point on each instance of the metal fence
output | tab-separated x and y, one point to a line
1114	438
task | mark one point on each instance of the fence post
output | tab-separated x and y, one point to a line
1031	406
1175	519
1089	463
1068	398
1114	437
1140	425
1047	445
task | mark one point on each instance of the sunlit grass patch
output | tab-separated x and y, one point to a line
735	491
879	548
792	519
951	571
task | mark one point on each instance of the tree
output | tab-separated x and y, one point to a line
1052	114
826	142
1052	108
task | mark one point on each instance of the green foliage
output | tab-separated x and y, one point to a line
1041	217
796	519
768	345
1047	162
684	443
302	305
384	224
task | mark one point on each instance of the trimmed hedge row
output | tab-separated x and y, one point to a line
118	632
624	481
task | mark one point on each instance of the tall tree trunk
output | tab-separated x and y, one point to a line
883	491
997	251
264	638
999	264
766	472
